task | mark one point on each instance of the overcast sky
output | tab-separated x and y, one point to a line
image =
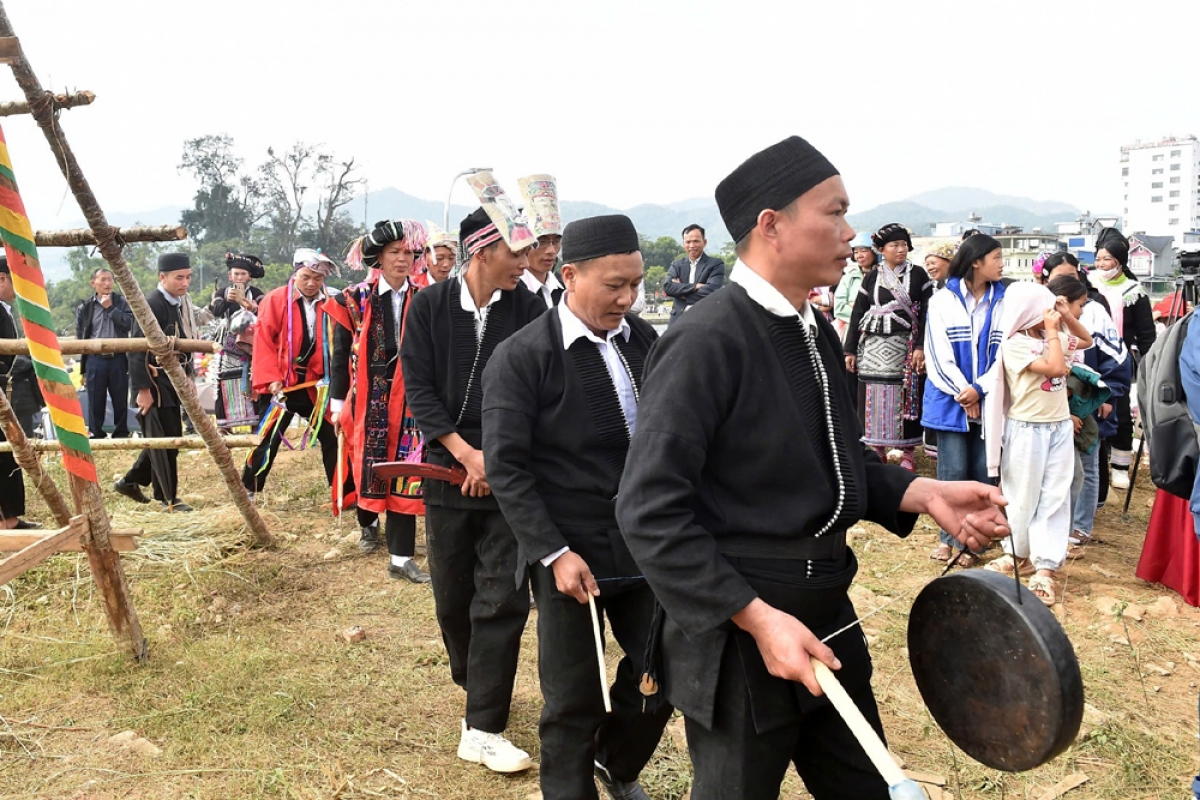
624	101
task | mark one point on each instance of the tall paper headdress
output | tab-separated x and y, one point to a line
440	238
541	204
511	226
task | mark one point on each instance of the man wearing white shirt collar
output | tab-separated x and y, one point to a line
746	471
560	406
452	330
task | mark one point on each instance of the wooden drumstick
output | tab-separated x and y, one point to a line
900	786
600	654
341	471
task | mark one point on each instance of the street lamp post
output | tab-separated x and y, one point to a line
446	215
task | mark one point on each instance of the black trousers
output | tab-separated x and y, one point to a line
734	762
575	731
159	468
108	378
480	609
399	529
297	403
12	486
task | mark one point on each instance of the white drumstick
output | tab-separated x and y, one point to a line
900	786
600	654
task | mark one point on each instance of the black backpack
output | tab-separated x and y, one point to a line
1171	434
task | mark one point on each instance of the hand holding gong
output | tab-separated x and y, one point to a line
968	510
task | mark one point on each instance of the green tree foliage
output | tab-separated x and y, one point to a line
728	254
655	278
228	203
660	252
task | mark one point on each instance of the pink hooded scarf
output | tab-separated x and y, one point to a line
1024	305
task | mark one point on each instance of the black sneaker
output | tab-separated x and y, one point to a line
369	542
177	506
130	490
26	525
409	572
619	790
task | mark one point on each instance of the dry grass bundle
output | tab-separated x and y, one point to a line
205	535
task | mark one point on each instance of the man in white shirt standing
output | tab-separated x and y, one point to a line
541	210
694	276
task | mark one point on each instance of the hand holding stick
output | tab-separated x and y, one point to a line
900	786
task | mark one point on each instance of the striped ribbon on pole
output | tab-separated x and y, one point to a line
34	306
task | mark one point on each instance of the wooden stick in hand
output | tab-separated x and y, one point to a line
600	654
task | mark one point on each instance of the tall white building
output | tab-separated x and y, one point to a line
1162	187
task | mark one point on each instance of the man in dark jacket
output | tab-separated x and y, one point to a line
159	409
695	276
105	315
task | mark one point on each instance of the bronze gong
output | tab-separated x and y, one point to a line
998	674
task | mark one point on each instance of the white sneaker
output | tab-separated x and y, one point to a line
1120	479
492	750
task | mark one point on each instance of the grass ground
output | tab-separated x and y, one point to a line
251	693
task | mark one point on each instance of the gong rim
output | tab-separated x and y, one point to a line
999	677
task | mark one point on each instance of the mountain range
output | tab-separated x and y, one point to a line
918	212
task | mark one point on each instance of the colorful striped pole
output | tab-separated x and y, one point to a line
34	306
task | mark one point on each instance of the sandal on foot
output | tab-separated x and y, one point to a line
1004	565
942	553
1043	589
1079	537
966	560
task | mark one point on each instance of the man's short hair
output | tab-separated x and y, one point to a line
98	270
695	227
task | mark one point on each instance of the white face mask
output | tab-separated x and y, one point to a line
1109	274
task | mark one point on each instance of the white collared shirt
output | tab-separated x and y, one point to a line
309	309
468	304
172	299
762	292
544	290
692	270
573	329
397	296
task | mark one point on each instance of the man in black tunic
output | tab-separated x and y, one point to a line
745	472
159	409
453	328
559	406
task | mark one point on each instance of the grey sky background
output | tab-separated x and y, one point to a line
625	101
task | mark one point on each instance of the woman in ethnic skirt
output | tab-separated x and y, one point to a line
885	346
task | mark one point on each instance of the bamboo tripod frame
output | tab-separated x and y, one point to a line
93	532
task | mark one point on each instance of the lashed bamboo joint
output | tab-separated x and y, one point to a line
72	100
84	237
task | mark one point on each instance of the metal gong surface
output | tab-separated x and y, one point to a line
1000	677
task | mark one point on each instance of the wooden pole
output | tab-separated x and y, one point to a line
27	457
106	241
83	237
43	548
157	443
72	100
75	347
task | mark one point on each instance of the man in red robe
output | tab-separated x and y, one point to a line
366	391
291	347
